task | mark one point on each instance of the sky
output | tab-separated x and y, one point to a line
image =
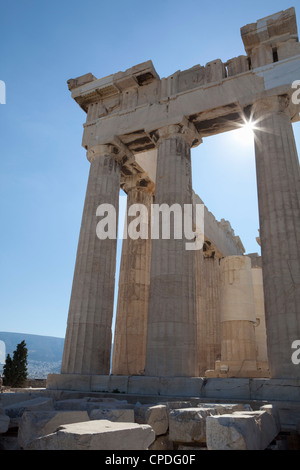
43	167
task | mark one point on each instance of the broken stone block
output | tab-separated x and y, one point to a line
188	425
156	416
97	435
252	430
89	404
34	424
162	443
267	426
79	404
173	405
10	398
273	411
16	410
225	408
113	414
228	432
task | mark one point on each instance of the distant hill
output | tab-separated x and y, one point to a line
40	348
44	352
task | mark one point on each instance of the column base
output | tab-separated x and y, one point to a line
238	369
180	387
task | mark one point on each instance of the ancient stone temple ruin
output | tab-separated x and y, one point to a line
189	318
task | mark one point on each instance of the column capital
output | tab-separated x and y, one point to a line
274	104
184	129
100	150
139	182
115	149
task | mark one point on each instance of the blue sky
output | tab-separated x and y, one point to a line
43	168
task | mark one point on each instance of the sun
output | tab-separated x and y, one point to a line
244	134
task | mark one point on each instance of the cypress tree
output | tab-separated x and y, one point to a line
15	369
7	370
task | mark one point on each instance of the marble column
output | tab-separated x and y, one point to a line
201	311
208	311
237	308
260	328
278	185
88	337
129	354
172	323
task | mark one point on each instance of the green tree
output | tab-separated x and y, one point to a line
7	370
15	369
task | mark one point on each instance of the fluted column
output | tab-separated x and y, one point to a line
208	311
260	328
201	311
278	185
238	346
172	325
129	354
88	337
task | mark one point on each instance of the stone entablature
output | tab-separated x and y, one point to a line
214	98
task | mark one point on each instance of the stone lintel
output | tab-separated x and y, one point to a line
211	110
